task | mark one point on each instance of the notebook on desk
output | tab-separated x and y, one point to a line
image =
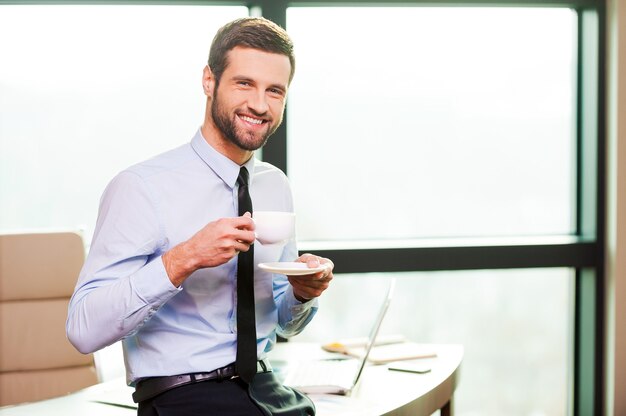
340	375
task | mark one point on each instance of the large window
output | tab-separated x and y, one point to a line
454	146
444	122
423	139
441	122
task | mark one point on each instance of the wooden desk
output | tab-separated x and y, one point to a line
380	392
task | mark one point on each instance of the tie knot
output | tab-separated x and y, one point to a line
242	179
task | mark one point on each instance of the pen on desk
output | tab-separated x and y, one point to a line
410	370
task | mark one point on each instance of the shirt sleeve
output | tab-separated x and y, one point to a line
293	315
123	281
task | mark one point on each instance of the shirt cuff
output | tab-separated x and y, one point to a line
296	307
152	283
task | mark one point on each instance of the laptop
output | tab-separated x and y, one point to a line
336	375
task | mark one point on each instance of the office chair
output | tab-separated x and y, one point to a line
38	272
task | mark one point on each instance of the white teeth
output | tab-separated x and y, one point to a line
251	120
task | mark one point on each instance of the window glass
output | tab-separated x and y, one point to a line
432	122
515	327
86	91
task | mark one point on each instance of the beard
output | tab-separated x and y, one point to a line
227	124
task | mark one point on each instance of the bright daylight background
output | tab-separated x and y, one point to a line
420	122
404	123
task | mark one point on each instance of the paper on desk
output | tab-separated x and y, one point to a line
346	344
386	353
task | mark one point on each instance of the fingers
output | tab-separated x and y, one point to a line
236	230
240	246
305	288
313	261
242	236
245	222
310	286
220	240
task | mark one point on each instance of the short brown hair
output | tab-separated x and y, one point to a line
252	32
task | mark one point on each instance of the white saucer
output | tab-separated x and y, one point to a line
290	268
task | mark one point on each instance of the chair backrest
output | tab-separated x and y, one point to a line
37	276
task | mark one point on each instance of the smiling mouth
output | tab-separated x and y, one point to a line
252	120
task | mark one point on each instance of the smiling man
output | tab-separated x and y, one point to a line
257	101
175	242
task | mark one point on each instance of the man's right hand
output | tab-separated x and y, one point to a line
213	245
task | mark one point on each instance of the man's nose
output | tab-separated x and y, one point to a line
258	102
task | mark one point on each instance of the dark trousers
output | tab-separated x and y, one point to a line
264	397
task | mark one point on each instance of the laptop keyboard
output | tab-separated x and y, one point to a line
323	373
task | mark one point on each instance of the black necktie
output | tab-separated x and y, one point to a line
246	325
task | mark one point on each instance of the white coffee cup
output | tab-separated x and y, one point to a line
274	226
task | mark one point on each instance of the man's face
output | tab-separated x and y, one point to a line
249	100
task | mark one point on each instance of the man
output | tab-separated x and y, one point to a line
163	267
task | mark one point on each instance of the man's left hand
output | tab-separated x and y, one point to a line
309	286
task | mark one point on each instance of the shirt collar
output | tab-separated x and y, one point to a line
223	167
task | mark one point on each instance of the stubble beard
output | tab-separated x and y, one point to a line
245	140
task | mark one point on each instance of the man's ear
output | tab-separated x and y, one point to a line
208	82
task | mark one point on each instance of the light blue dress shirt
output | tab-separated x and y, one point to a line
123	292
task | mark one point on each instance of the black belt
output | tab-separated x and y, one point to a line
153	386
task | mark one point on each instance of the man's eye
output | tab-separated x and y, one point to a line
276	91
244	83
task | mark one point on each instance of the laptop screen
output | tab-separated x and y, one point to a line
374	332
